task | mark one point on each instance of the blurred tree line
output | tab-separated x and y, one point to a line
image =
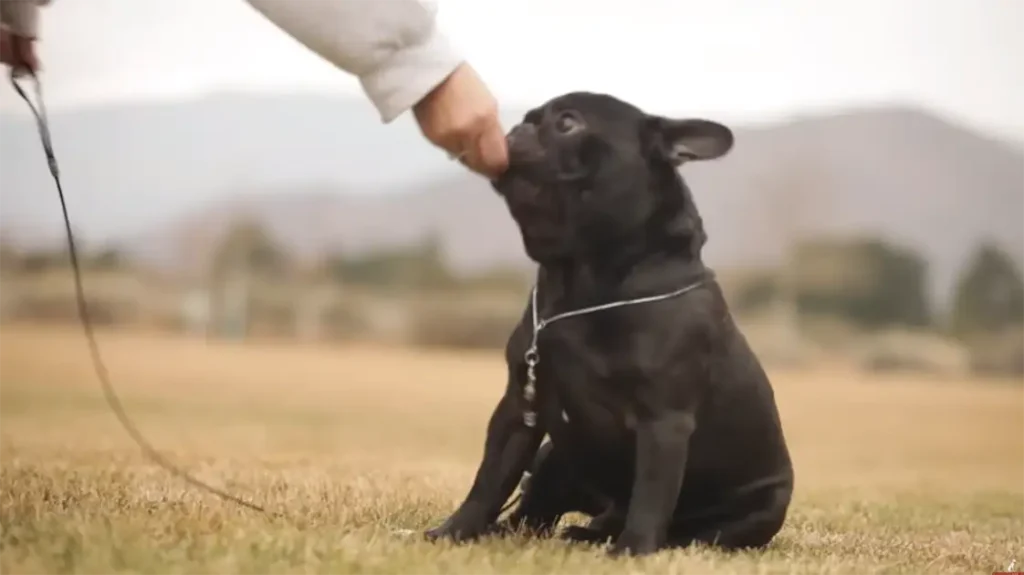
874	284
417	266
868	283
17	262
251	275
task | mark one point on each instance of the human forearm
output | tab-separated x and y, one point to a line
21	17
392	46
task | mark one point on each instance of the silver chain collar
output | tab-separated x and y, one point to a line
532	356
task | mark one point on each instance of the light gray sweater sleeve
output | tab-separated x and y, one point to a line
392	46
21	17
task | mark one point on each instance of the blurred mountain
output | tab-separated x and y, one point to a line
324	175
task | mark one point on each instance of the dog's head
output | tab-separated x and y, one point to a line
590	175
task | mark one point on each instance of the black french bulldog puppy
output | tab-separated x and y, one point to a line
663	423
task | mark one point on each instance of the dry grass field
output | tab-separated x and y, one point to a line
348	445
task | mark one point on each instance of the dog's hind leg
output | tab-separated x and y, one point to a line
754	527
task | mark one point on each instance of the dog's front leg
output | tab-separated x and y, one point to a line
509	449
662	443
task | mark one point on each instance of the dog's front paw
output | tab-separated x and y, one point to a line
517	526
633	544
580	534
461	526
452	532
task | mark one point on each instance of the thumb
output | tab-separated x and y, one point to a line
20	53
492	150
6	47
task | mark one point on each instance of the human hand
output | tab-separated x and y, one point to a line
461	116
18	52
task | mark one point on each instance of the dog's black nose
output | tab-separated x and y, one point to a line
520	133
523	142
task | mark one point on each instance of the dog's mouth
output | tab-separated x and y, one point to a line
529	189
534	206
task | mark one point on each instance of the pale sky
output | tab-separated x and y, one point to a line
737	60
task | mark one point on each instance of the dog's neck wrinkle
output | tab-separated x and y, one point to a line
680	227
571	285
660	258
675	230
657	261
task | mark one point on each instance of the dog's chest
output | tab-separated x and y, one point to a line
586	385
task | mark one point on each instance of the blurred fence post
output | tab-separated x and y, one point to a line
236	304
196	312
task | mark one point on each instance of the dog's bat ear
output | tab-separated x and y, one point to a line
680	141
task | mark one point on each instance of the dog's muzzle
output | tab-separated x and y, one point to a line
525	162
524	145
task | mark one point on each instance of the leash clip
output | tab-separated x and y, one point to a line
530	389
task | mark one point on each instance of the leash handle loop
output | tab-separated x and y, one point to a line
42	121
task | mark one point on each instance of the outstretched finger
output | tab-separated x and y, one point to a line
26	51
6	47
470	157
492	151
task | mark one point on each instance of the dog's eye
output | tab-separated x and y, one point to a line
568	123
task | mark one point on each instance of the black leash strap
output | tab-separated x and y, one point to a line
42	124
